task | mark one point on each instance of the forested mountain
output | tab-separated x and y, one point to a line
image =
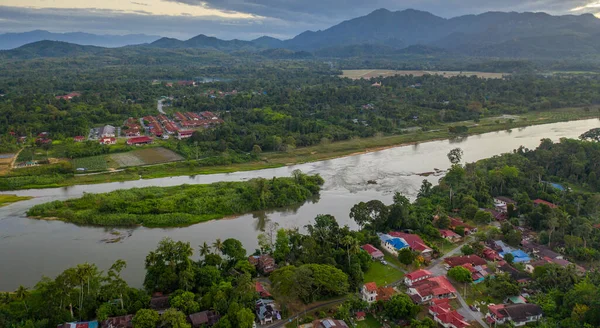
203	41
15	40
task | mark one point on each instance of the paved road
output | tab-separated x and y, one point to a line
159	106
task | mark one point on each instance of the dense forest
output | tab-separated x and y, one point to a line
182	205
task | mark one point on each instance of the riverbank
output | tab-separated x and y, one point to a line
324	151
182	205
9	199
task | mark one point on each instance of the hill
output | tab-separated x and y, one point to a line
15	40
208	42
47	49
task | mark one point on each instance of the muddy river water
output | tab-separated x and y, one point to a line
31	248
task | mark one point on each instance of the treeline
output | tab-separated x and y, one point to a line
182	205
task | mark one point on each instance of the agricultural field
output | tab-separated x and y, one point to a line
356	74
147	156
5	161
93	163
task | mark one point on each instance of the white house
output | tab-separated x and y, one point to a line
369	292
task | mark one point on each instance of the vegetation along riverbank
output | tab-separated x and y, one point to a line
9	199
181	205
58	176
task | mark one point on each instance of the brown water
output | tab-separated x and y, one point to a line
32	248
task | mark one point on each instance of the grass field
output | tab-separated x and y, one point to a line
147	156
369	322
356	74
9	199
94	163
382	274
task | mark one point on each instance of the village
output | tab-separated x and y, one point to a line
448	288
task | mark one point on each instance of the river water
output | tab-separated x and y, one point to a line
31	248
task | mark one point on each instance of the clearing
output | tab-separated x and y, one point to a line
369	322
356	74
5	162
146	156
382	274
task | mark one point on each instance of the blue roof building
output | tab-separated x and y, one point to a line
392	243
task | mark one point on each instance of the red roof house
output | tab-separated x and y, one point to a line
385	293
369	292
538	202
260	289
140	140
108	141
461	260
373	251
416	276
430	289
414	242
451	320
450	235
79	138
491	254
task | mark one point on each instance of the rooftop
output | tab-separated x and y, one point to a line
418	274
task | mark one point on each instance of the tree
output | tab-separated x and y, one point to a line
455	156
469	211
460	274
443	222
483	217
400	307
234	249
172	318
509	258
218	245
145	318
169	267
467	249
406	256
244	318
114	284
185	302
593	135
204	249
21	294
425	190
282	246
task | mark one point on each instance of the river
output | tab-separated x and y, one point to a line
31	248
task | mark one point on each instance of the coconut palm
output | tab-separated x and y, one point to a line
218	245
204	249
21	294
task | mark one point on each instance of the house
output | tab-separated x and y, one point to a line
266	311
540	251
498	216
140	141
416	276
264	263
43	141
360	316
87	324
108	141
501	203
392	244
374	252
69	96
539	202
519	256
546	260
491	255
455	261
184	134
518	276
451	319
385	293
517	314
376	84
79	139
455	223
204	318
450	235
478	272
106	131
117	322
159	302
368	292
439	306
430	289
329	323
260	289
415	243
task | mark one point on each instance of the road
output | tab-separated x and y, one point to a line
159	106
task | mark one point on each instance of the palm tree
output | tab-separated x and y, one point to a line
351	246
204	249
218	245
21	293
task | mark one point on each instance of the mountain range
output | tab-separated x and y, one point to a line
15	40
387	33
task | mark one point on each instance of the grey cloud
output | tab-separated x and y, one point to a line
138	3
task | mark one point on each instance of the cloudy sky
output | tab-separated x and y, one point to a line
242	19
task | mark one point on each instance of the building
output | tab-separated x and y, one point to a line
87	324
539	202
540	251
117	322
360	316
79	139
266	311
478	272
450	235
491	255
416	276
329	323
546	260
455	261
431	289
415	243
140	141
385	293
204	318
501	203
517	314
184	134
263	263
69	96
108	141
159	302
260	289
514	273
443	314
392	244
375	253
106	131
455	223
368	292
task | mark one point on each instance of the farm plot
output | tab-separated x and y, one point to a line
93	163
146	156
5	160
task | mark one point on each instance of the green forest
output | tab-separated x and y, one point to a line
182	205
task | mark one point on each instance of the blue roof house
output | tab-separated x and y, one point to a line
392	244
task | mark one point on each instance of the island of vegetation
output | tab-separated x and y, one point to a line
182	205
9	199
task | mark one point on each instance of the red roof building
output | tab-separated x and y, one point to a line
517	314
180	117
461	260
385	293
416	276
371	287
184	134
369	292
430	289
69	96
118	322
373	251
79	138
414	242
140	140
260	289
491	255
456	222
451	320
538	202
450	235
108	141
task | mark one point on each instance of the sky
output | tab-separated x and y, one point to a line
241	19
